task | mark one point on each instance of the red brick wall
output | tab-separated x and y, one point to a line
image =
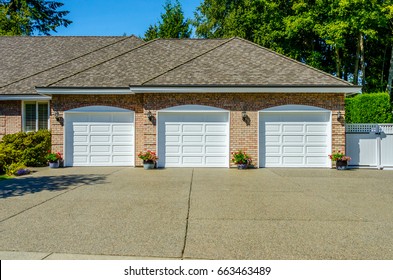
241	136
10	117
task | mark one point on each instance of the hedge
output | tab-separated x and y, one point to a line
29	148
368	108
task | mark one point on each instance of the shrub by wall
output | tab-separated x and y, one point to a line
368	108
29	148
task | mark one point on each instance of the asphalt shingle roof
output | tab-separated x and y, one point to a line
29	62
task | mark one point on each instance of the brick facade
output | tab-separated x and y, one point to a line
10	117
242	136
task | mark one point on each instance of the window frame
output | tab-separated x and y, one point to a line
36	114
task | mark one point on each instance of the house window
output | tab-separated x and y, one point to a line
36	116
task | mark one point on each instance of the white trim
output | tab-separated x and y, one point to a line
284	89
82	91
294	108
98	109
193	108
25	98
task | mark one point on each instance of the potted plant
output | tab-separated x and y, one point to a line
54	159
341	160
149	159
242	159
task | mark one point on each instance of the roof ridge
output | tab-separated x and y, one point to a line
95	65
293	60
65	62
183	63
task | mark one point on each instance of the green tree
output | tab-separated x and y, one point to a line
347	38
25	17
173	24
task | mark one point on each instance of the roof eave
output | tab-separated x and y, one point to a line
244	89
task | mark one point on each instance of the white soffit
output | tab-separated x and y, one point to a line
25	97
214	89
83	90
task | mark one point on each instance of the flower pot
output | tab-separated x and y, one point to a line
242	166
148	165
54	164
341	164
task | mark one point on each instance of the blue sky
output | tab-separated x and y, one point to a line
115	17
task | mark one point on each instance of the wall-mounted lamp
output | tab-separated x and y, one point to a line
339	116
244	116
57	115
150	116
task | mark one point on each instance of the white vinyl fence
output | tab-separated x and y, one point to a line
370	145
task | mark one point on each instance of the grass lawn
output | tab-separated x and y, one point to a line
4	177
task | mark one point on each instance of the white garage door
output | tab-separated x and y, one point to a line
100	139
193	140
295	139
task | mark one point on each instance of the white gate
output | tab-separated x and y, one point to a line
370	145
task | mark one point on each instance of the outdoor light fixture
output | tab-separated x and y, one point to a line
244	116
339	115
150	116
57	115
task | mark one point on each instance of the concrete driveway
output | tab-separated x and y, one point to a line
130	213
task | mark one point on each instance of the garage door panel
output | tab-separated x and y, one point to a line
293	128
173	149
81	139
216	160
171	139
311	139
293	149
122	149
122	129
122	139
294	139
100	139
81	159
322	128
121	159
273	150
173	128
80	149
101	159
299	139
100	149
315	160
81	128
316	150
216	128
190	138
192	128
273	160
215	139
215	150
192	149
173	160
100	128
299	160
195	160
272	139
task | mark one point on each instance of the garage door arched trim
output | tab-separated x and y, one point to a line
294	136
99	136
193	136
